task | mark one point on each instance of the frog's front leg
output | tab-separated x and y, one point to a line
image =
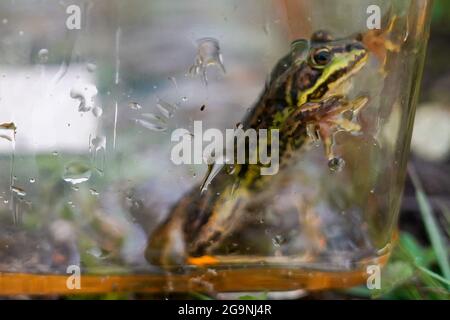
327	117
334	121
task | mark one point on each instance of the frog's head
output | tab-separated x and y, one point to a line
325	65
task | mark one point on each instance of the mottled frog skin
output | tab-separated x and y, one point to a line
306	93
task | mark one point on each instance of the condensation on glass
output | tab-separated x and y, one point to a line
91	92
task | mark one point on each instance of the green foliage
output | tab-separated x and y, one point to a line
200	296
413	270
106	296
441	11
433	230
262	296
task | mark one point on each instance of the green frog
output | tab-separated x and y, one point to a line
304	99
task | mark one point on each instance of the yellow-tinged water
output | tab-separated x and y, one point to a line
209	280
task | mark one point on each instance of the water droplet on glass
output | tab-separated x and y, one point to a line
32	180
94	192
153	117
95	252
5	201
312	131
231	169
166	108
8	131
85	94
43	55
18	191
99	143
208	54
277	241
76	172
266	28
174	81
134	106
55	153
336	164
8	126
151	126
184	99
97	112
91	67
213	170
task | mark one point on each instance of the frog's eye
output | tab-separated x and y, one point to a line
321	57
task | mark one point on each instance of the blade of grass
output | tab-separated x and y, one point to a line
446	212
433	288
200	296
425	286
434	234
434	275
394	275
422	285
417	254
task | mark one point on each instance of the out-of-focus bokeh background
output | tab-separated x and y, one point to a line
430	150
430	160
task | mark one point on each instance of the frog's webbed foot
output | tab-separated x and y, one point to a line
381	43
335	121
354	107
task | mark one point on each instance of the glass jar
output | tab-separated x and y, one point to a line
114	116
